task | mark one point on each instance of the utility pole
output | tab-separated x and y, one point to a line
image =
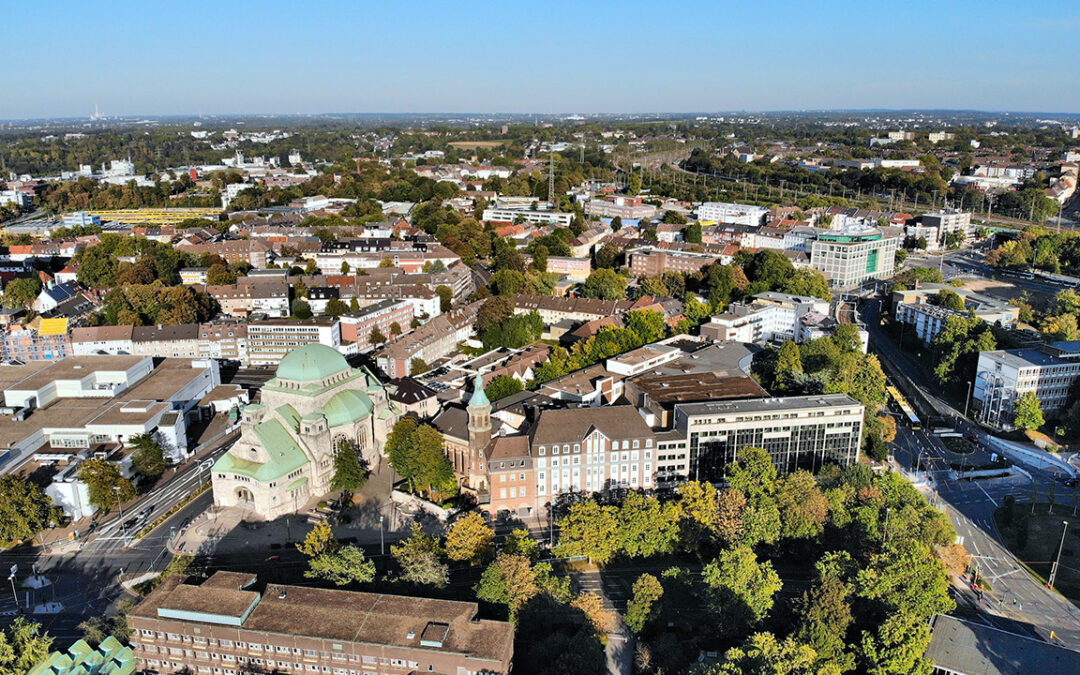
1053	572
551	180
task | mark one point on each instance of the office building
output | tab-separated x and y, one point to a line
769	316
1003	376
650	261
738	214
851	256
269	341
231	624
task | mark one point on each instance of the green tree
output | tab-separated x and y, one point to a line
301	309
590	530
692	233
905	577
764	654
335	308
803	506
419	559
23	644
502	386
648	324
106	486
607	256
21	293
493	311
386	262
742	588
347	565
510	580
521	542
446	297
642	606
788	364
897	646
949	299
218	274
824	618
395	328
470	539
616	224
25	509
418	366
376	336
605	285
1027	411
318	541
633	183
350	470
647	527
148	460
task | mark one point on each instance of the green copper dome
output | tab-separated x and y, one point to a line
347	407
311	363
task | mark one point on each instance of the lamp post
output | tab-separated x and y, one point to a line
1053	572
885	532
116	489
11	578
382	545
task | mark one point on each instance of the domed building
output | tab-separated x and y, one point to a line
285	453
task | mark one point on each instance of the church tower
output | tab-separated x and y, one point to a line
479	422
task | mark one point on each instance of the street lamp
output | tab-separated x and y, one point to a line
382	545
11	578
116	489
1053	572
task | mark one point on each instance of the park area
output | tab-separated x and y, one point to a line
1034	539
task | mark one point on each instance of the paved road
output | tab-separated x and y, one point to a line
1018	601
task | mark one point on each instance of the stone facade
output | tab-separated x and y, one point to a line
285	453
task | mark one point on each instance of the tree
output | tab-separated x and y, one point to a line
897	647
218	274
540	258
345	269
1028	412
763	654
347	565
446	297
506	282
418	366
301	309
692	233
730	517
350	470
21	293
493	311
416	453
148	460
633	183
590	530
616	224
641	607
803	506
603	620
605	285
107	487
318	541
376	337
23	644
648	324
25	509
742	588
335	308
395	328
510	581
502	386
470	539
905	577
949	299
419	559
386	262
647	527
788	363
521	542
607	256
824	618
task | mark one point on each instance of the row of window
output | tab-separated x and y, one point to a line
615	445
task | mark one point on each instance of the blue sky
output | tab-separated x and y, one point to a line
185	57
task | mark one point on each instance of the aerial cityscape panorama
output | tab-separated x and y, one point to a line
357	338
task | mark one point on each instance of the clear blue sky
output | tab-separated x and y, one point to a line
60	57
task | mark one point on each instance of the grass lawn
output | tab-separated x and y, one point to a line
1034	539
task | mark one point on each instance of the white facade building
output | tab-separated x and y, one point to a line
1003	376
726	212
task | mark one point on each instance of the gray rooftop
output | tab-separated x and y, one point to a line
768	404
966	647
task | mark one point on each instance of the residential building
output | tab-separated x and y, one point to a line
545	217
1003	376
356	327
176	342
255	252
193	276
223	340
725	212
231	624
650	261
269	341
917	309
577	269
950	221
429	342
285	453
98	340
269	296
768	317
40	339
851	256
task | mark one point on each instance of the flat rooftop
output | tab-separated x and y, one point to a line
967	647
71	368
770	404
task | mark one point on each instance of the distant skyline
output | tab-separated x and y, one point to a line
325	56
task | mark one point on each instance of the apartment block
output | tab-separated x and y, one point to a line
269	341
1003	376
649	261
357	326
